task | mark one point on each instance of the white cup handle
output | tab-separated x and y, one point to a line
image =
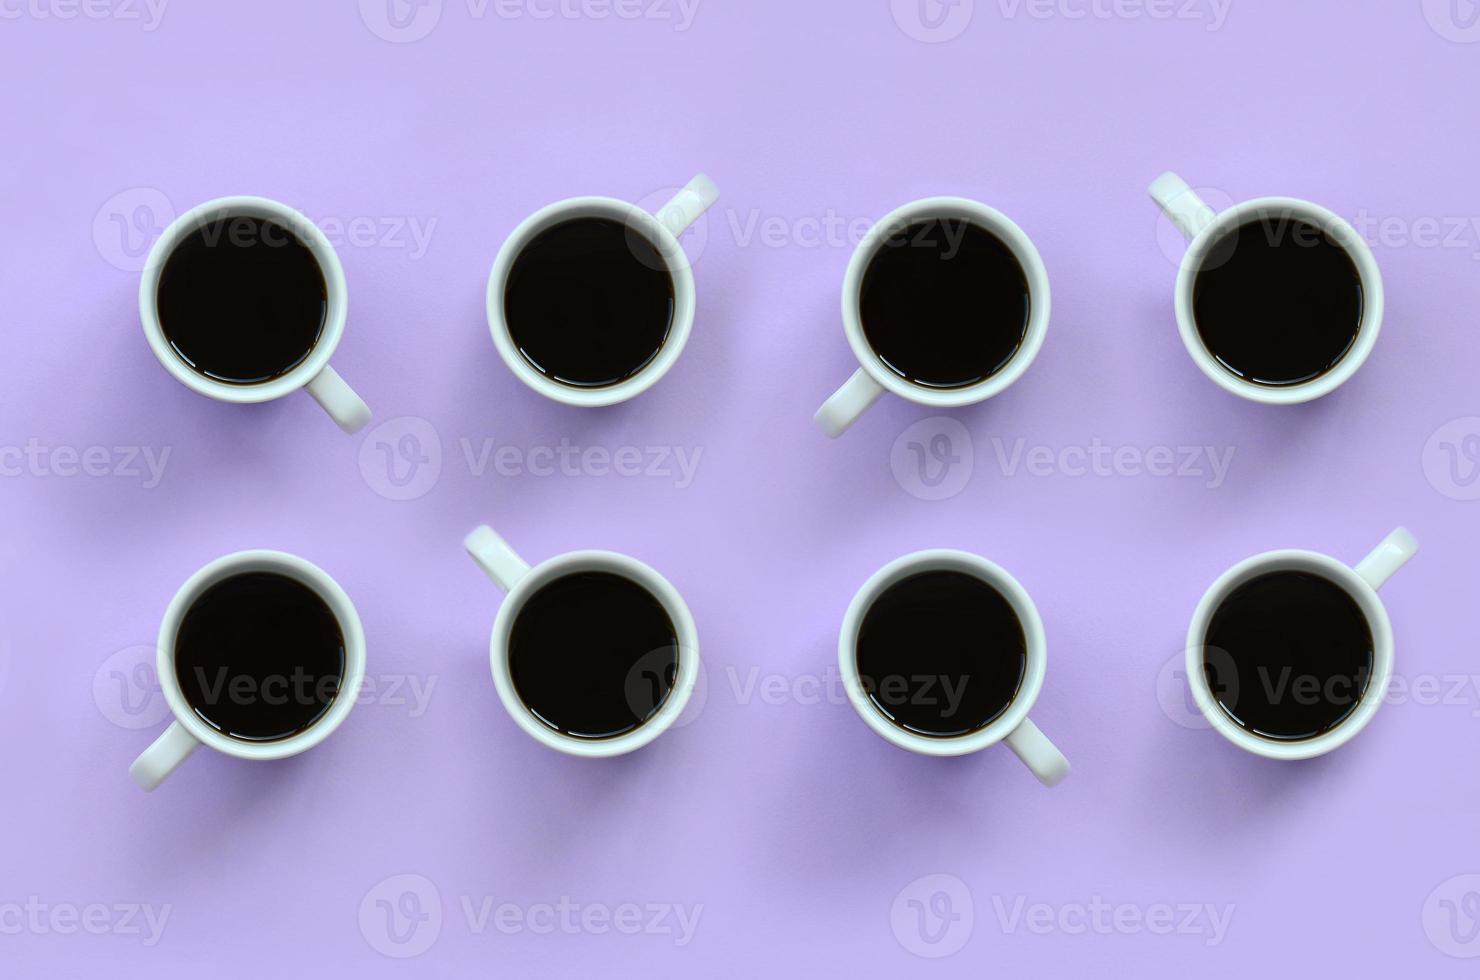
493	554
1040	755
1182	205
1394	552
339	400
688	205
848	404
163	757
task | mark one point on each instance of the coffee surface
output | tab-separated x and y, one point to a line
593	655
259	657
242	300
1278	302
1289	655
589	302
945	304
942	653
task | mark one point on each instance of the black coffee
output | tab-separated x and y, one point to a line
1278	302
593	655
242	300
945	304
942	654
1289	655
259	657
589	302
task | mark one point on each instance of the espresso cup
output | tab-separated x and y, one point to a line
594	654
1278	300
1290	653
973	643
238	707
236	223
1022	307
592	319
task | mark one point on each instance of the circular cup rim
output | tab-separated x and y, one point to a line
302	571
668	246
661	589
989	572
1023	249
1372	608
1374	308
329	263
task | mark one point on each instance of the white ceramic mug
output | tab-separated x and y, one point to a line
661	231
515	576
873	376
1361	583
188	732
1014	727
323	383
1205	229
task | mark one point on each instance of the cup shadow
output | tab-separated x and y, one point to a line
209	801
1220	792
848	793
584	804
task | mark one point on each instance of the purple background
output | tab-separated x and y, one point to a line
792	825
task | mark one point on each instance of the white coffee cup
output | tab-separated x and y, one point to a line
1014	727
323	383
661	231
873	376
1361	583
515	576
188	732
1205	228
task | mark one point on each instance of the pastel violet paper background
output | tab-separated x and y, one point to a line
772	833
